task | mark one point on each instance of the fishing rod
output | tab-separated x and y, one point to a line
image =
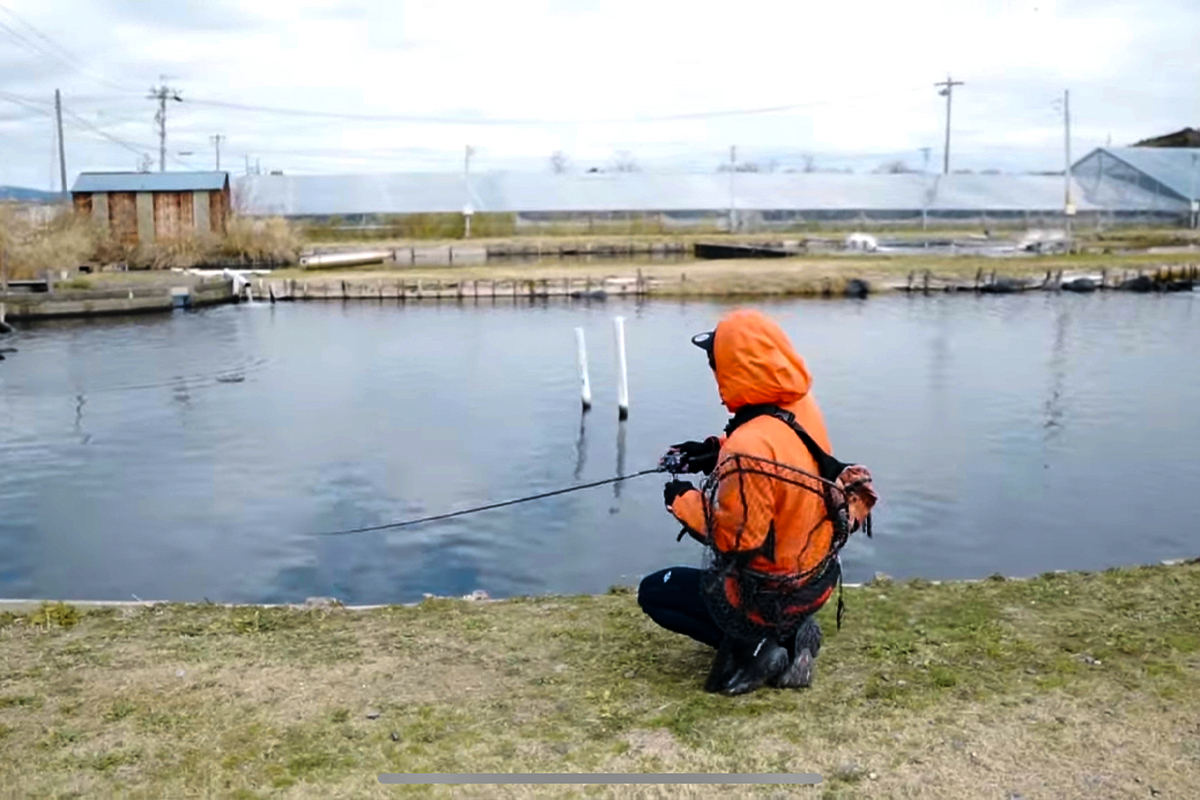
669	464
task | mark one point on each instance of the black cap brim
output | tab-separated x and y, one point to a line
704	341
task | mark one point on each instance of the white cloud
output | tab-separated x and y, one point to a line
863	70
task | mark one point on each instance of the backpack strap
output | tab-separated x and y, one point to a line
828	467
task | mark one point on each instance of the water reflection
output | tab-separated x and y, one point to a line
420	408
621	427
581	447
1054	406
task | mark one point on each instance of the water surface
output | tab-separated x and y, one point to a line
199	455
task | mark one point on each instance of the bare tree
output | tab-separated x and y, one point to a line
744	166
559	162
625	162
896	167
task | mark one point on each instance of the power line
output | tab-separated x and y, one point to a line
54	50
443	120
81	122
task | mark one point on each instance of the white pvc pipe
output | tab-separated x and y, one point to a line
622	372
585	385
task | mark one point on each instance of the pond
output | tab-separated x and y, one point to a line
203	455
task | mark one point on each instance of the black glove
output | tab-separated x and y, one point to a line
673	489
698	456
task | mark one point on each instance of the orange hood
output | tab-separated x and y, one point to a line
755	362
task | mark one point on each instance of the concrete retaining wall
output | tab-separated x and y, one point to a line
103	302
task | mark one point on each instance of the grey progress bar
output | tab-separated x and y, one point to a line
577	778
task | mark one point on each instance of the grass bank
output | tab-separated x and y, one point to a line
801	275
1064	686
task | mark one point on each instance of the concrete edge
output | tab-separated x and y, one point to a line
20	605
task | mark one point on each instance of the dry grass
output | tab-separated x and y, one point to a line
802	275
271	241
1065	686
31	248
70	240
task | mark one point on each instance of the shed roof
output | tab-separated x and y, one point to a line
150	181
1173	167
410	193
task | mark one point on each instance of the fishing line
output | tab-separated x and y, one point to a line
490	506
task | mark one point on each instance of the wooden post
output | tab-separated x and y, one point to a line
926	281
418	289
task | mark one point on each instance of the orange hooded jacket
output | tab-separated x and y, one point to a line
755	364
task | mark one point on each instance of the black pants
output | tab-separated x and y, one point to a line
671	597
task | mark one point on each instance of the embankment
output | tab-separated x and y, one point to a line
1066	685
798	276
157	293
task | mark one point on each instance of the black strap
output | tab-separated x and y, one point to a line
828	467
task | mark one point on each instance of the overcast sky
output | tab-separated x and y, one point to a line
418	81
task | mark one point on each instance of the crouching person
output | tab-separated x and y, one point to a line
774	511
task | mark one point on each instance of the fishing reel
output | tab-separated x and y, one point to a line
674	462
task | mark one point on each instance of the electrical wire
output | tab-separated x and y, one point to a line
54	51
443	120
490	506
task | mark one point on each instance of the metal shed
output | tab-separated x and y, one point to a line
146	207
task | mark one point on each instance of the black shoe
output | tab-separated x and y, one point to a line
723	666
804	648
765	662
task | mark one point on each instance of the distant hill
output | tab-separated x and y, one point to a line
27	195
1188	137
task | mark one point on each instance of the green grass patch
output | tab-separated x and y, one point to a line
315	702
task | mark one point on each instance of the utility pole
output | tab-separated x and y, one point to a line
1195	217
62	152
732	172
162	94
925	188
467	208
247	163
216	140
1067	148
947	91
1068	206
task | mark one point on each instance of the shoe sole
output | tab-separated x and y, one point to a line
799	674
